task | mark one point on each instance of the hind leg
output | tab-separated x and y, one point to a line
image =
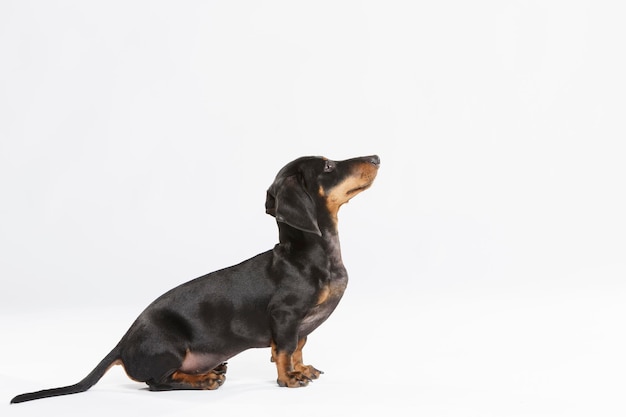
180	380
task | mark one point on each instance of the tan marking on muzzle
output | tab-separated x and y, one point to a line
361	178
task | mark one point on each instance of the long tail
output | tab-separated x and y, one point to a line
93	377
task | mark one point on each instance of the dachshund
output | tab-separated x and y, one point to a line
275	299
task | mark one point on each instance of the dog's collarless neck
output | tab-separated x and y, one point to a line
294	240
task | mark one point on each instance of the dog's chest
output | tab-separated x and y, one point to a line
328	299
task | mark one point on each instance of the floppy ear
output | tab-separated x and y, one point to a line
291	204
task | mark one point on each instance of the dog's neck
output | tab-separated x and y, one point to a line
332	247
293	239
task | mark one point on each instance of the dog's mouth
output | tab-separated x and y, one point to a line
364	181
360	188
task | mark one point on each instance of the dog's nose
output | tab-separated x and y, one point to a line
374	159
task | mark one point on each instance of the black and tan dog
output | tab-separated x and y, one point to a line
275	299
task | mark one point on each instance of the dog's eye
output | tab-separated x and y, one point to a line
329	166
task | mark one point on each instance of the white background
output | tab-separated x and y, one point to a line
487	262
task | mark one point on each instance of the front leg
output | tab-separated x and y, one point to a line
299	365
287	354
291	372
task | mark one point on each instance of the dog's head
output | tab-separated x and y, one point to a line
308	192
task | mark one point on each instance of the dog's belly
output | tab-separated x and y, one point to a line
198	362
